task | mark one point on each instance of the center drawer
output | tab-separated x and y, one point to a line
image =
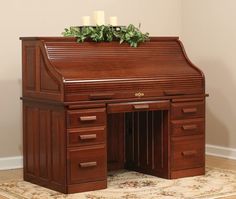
138	106
87	164
86	117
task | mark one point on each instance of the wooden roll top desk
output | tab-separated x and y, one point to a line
92	107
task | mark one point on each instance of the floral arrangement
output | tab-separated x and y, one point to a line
107	33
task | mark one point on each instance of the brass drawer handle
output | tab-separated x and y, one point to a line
189	110
87	164
141	106
189	153
88	118
189	127
88	137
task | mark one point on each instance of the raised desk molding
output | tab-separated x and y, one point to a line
91	107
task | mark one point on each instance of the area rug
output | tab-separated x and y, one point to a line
132	185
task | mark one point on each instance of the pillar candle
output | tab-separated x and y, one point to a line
86	20
113	21
99	17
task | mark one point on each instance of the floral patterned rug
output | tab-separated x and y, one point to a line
132	185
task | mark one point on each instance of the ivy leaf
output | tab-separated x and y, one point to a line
130	34
121	41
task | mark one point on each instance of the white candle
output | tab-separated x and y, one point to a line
86	20
113	21
99	17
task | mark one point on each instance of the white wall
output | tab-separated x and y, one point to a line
49	18
209	35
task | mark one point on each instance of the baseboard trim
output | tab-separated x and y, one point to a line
220	151
11	163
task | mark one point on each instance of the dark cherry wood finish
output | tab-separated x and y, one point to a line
91	107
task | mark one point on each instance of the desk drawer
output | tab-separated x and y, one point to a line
187	110
187	152
187	127
86	117
87	164
138	106
86	136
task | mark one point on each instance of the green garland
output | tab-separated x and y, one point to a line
129	34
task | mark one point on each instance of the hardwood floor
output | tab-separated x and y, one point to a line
211	161
6	175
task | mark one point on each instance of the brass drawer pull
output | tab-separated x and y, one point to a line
189	127
189	110
88	137
141	106
189	153
87	164
88	118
